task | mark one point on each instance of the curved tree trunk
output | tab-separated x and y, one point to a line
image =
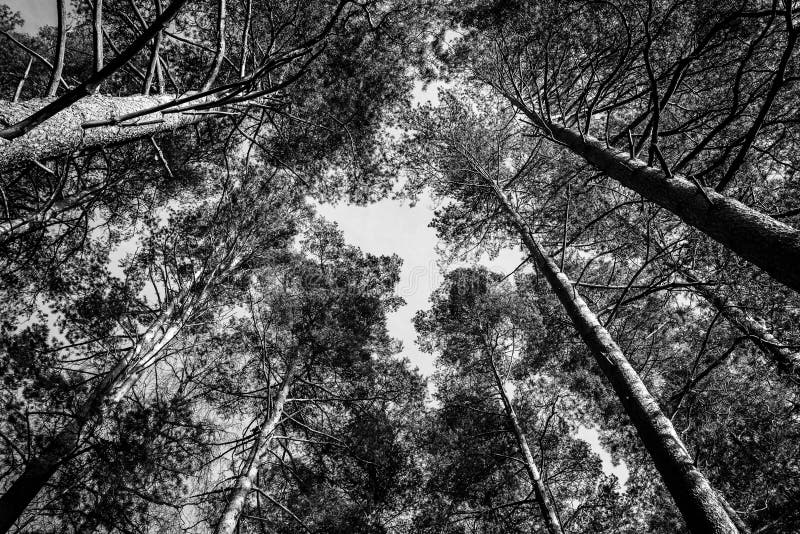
697	501
760	239
61	46
246	479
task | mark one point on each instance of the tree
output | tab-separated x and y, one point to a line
200	250
479	325
316	328
460	142
299	35
636	65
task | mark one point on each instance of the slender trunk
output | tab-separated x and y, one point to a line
22	81
97	28
61	45
220	55
697	501
760	239
246	479
65	133
546	508
245	37
154	66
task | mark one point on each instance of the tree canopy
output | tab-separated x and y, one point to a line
186	345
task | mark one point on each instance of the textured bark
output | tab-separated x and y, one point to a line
246	479
696	499
546	508
64	133
760	239
87	88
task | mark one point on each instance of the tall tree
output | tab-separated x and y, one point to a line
465	159
635	67
201	249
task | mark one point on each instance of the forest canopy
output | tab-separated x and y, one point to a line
187	345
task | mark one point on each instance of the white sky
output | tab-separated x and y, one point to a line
393	227
37	13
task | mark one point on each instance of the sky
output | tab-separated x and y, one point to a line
386	227
36	13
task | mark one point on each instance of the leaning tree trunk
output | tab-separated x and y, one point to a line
786	360
70	130
102	400
546	508
697	501
765	242
246	479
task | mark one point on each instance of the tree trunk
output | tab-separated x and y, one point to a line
87	88
693	494
220	55
765	242
546	508
61	45
103	398
246	479
786	360
97	29
64	133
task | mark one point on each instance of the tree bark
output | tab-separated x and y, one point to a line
86	88
97	29
697	501
546	508
760	239
64	133
246	479
61	45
